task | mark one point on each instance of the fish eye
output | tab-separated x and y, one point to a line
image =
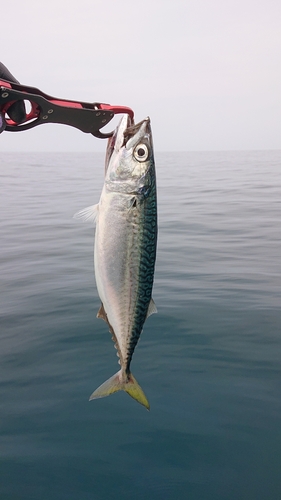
141	152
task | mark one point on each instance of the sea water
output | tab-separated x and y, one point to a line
209	361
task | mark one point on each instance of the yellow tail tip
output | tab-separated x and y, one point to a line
119	382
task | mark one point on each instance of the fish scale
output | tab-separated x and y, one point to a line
146	270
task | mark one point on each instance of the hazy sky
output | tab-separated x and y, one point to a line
207	72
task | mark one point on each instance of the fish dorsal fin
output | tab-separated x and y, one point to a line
152	309
89	214
102	314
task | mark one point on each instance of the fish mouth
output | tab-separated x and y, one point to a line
126	134
116	141
125	124
129	133
134	133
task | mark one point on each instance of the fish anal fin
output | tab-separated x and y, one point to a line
102	315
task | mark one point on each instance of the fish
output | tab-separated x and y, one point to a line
125	246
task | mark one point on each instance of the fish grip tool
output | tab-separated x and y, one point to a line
87	117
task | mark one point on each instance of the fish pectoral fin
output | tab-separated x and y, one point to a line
117	383
89	214
152	309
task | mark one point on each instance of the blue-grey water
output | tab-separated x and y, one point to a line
209	361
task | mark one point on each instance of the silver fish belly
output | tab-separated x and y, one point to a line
125	247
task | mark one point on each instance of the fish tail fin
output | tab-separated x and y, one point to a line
135	391
120	383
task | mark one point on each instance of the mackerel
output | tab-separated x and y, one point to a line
125	246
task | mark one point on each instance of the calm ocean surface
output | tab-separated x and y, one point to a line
209	361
